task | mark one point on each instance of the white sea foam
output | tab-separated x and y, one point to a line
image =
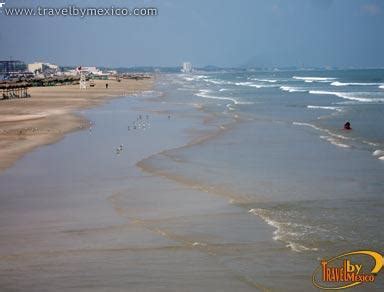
255	85
333	108
250	84
381	158
337	83
378	153
381	86
370	143
307	125
314	79
218	82
300	248
199	244
229	107
243	83
356	96
292	89
194	77
334	139
206	93
322	130
223	89
277	232
263	80
284	231
245	102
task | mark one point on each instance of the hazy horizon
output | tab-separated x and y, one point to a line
273	33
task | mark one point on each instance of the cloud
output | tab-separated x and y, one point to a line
371	8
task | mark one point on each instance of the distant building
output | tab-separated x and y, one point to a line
92	70
186	67
112	72
10	66
43	68
70	73
89	72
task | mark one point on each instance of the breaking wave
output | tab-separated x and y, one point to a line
334	139
263	80
292	89
333	108
206	93
337	83
355	96
255	85
315	79
194	77
287	232
379	154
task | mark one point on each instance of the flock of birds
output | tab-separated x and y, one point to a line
140	123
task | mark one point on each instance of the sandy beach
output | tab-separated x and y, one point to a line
50	113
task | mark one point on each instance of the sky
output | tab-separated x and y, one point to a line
253	33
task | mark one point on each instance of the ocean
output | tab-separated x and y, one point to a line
286	157
283	155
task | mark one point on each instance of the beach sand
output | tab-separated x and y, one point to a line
50	113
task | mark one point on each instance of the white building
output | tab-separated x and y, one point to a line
41	68
84	70
186	67
112	72
92	70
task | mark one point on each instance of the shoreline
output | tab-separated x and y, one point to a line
103	228
51	113
195	139
120	213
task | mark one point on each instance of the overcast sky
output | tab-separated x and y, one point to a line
347	33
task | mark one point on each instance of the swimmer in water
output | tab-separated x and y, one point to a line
347	126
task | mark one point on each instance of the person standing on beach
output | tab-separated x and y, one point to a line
106	85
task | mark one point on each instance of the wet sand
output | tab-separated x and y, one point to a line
50	113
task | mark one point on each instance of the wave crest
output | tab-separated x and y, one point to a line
337	83
356	96
314	79
206	93
292	89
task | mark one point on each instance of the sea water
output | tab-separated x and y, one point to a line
282	155
287	153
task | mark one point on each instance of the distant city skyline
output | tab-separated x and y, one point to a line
247	33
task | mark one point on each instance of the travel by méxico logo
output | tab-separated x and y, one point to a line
348	270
